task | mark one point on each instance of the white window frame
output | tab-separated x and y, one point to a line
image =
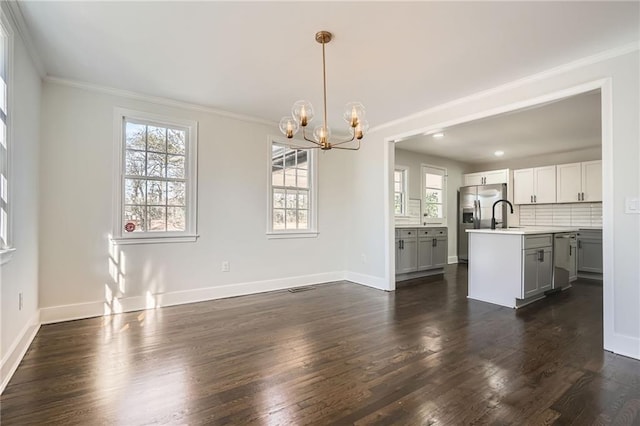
7	250
312	232
405	190
424	168
191	175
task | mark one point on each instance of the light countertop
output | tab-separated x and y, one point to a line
418	226
525	230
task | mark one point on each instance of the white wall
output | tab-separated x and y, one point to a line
455	169
621	177
76	213
20	275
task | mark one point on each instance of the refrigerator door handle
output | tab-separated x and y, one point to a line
479	213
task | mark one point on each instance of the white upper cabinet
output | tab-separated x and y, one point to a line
569	178
534	186
523	186
544	185
577	182
486	178
592	181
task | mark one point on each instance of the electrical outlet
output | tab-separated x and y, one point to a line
225	266
19	301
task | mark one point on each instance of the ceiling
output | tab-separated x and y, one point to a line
566	125
258	58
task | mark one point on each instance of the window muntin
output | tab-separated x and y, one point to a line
434	186
154	177
291	190
156	186
400	192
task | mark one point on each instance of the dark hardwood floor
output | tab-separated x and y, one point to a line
339	354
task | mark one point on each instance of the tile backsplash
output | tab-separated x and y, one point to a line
573	214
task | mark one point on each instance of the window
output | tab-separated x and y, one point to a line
434	184
5	142
157	185
400	191
292	183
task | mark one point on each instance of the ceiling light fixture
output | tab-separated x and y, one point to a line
498	153
438	135
302	114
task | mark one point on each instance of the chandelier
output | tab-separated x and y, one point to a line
302	114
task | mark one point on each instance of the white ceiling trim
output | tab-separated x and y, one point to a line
15	14
156	100
589	60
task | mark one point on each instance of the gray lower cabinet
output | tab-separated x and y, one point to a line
406	255
420	249
590	251
440	252
425	253
537	265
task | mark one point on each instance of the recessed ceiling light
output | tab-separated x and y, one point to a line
438	135
498	153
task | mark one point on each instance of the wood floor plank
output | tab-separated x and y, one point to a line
339	354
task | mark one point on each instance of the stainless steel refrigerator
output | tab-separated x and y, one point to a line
474	211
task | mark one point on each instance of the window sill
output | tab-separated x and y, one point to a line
285	235
6	255
155	240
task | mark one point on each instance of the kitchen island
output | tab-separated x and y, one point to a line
512	267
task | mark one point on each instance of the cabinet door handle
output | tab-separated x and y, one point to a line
570	250
582	196
578	196
434	242
541	255
579	244
535	198
532	198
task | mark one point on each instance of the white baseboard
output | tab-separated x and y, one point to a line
18	349
452	259
367	280
128	304
621	344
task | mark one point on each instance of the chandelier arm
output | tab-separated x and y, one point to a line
344	141
347	148
304	135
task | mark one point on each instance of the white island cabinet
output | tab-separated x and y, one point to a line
511	267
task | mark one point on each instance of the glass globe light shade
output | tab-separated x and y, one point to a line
289	126
302	111
353	113
321	134
361	128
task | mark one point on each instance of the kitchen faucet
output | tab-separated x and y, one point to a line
493	213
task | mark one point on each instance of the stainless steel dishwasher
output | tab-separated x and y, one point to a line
565	246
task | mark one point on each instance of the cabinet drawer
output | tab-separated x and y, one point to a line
432	232
408	233
537	241
440	232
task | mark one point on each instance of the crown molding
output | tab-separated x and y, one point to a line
17	19
156	100
589	60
